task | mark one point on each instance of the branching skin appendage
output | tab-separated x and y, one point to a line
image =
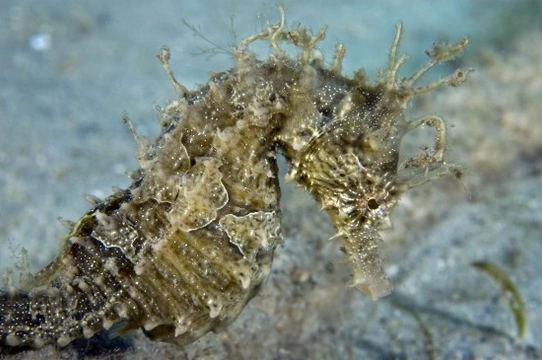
191	241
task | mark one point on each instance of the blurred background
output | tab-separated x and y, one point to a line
70	70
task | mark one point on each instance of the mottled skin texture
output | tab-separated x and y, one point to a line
191	241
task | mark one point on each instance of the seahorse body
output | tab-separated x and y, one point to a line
191	241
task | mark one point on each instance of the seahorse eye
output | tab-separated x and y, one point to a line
372	204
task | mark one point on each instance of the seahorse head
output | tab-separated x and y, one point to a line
350	166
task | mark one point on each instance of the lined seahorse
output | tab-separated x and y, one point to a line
182	250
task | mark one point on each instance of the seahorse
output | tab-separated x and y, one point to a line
182	250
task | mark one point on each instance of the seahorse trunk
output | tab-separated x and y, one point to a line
77	303
182	250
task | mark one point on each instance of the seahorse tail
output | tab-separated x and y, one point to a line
46	315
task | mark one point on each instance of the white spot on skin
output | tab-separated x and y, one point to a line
13	340
83	285
63	340
88	332
38	342
107	323
215	308
149	325
122	311
181	326
111	266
